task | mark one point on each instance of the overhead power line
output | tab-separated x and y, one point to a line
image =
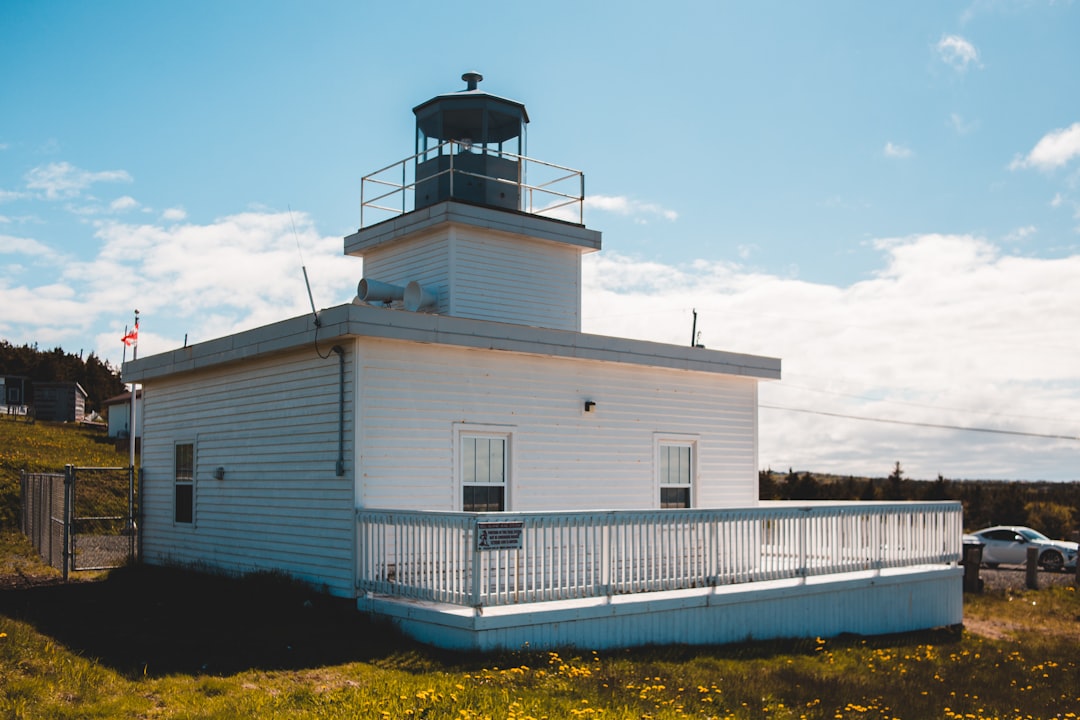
938	426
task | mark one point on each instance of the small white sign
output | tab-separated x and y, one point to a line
499	535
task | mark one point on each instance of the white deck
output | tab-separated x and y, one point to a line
864	603
621	579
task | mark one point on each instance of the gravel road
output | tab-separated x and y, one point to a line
1014	577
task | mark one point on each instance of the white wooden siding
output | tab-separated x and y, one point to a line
485	275
516	280
869	603
412	394
272	424
425	260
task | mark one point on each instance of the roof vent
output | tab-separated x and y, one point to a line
471	79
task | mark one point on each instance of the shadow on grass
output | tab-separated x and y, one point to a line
161	621
158	621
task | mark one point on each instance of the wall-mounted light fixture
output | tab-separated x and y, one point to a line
590	406
219	473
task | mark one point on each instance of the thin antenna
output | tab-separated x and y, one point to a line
303	267
693	330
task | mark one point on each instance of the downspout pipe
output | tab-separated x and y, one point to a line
339	468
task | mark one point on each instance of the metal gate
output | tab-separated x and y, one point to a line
83	519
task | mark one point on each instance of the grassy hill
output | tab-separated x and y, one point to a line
46	447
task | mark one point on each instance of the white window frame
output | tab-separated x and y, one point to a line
192	481
678	440
462	431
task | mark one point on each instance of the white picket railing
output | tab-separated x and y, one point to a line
448	557
542	188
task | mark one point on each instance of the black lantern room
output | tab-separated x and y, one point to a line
469	146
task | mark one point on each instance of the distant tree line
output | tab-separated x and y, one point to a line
1052	508
98	378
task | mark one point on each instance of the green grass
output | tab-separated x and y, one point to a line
47	447
171	643
145	642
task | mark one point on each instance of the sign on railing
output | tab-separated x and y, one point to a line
499	535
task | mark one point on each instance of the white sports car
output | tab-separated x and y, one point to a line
1008	545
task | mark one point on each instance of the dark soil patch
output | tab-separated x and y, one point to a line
160	621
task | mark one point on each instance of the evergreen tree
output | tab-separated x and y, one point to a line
100	380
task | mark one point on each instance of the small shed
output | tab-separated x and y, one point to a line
13	390
119	414
59	401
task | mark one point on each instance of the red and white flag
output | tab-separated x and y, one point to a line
132	338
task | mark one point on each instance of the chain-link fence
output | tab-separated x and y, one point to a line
83	519
44	514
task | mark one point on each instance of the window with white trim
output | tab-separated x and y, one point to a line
484	468
184	483
675	463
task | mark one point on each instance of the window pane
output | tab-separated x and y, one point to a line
675	466
185	456
468	460
183	483
483	463
483	474
684	465
497	464
675	497
483	498
184	502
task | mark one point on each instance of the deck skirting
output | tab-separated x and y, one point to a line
863	603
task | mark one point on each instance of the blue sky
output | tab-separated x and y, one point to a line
886	196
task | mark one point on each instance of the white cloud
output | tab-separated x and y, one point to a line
957	52
960	125
949	331
12	245
11	195
206	281
1053	150
893	150
1021	234
64	180
122	204
238	272
1057	200
622	205
174	214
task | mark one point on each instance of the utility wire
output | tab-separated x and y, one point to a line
923	424
787	384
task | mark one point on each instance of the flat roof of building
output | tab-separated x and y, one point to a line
363	321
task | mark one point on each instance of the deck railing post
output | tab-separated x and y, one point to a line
475	567
804	530
607	556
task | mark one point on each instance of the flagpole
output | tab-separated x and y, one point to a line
134	356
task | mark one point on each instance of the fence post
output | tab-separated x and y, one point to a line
24	505
131	525
69	497
1033	568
